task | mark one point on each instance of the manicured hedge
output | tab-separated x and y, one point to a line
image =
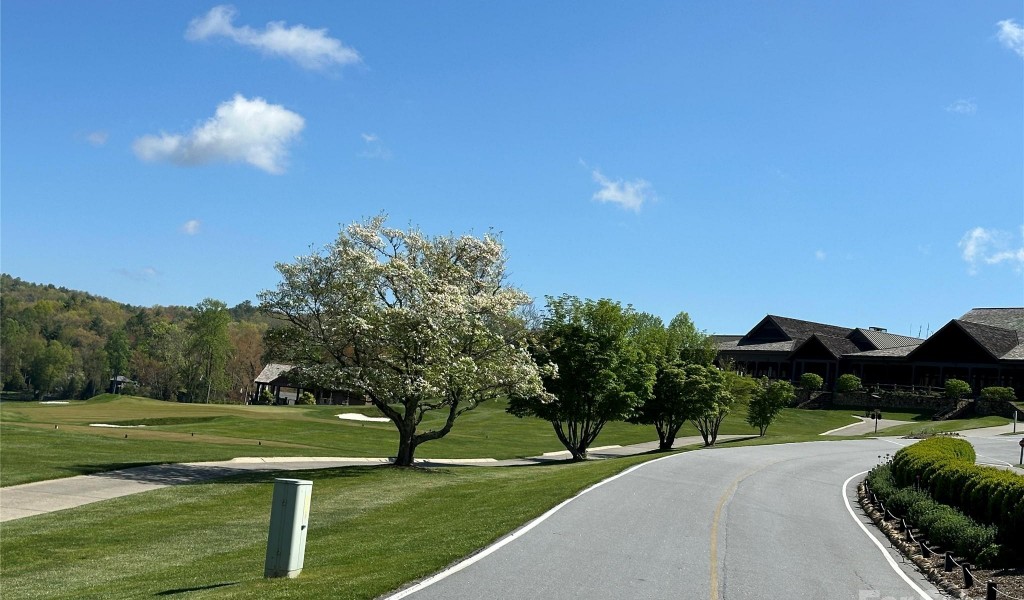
947	471
998	393
941	524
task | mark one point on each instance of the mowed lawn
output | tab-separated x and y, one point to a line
371	529
47	441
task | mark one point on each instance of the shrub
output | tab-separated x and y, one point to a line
998	393
847	383
957	389
265	397
307	399
811	382
946	469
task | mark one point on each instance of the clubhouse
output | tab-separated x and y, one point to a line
984	347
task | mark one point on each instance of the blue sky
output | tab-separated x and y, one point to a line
852	163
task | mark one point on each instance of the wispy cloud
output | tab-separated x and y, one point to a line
143	274
374	147
242	130
1011	36
963	107
309	48
97	138
820	255
981	246
629	195
191	227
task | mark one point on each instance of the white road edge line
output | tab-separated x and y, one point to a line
511	537
885	553
831	431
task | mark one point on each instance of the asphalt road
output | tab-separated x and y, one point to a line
737	523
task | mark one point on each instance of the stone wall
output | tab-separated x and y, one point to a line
892	399
1000	408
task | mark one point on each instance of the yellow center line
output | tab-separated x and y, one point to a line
714	527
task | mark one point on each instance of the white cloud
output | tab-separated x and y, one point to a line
144	274
990	246
310	48
375	148
963	107
191	227
630	195
820	255
97	138
242	130
1011	36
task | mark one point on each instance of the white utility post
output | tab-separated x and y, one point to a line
289	521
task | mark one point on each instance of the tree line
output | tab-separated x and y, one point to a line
61	343
413	323
418	323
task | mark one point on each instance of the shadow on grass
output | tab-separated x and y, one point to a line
98	468
179	474
212	586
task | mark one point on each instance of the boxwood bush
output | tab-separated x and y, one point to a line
998	393
945	468
941	524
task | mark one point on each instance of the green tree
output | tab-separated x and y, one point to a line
414	323
707	399
50	367
157	361
848	383
245	360
680	344
768	401
119	353
957	389
601	370
689	344
206	351
13	342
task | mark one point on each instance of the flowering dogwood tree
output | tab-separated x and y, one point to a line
415	323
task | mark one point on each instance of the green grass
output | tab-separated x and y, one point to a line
371	530
32	450
945	426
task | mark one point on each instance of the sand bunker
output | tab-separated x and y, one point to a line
118	426
359	417
55	402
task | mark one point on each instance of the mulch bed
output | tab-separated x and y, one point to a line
1009	582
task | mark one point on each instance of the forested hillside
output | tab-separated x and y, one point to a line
61	343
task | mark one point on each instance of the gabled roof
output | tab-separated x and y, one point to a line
773	329
801	330
988	341
272	371
835	345
883	340
1005	318
996	340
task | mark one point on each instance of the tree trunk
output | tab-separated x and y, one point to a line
577	448
406	449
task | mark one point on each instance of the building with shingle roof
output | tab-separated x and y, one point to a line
286	387
984	347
